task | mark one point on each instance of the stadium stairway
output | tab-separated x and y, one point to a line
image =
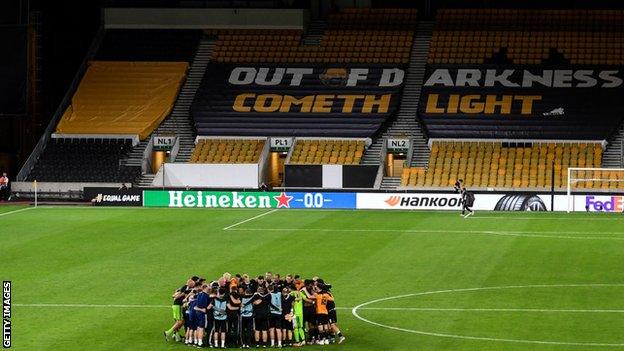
180	121
406	123
315	32
390	183
414	81
612	156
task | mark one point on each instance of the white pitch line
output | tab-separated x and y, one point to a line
424	309
79	305
361	306
16	211
249	219
427	309
582	235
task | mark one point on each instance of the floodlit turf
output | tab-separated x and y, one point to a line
555	278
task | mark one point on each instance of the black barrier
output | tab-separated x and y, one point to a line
301	176
297	100
359	176
312	176
525	102
113	196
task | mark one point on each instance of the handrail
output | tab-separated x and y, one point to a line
382	165
38	149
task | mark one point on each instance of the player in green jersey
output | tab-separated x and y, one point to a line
297	318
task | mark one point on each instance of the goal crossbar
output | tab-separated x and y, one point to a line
573	180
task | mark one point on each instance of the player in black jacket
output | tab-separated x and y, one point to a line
467	202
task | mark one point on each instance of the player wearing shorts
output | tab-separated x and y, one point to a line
202	307
261	302
275	318
333	318
287	316
220	317
177	331
247	328
297	320
189	316
308	309
322	314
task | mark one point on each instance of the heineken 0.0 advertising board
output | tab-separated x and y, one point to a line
235	199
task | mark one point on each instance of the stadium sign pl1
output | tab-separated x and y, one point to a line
225	199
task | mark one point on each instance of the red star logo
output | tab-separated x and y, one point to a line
283	200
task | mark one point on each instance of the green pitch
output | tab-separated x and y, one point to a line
101	279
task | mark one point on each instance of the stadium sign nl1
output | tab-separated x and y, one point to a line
235	199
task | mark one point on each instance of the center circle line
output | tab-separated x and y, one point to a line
354	312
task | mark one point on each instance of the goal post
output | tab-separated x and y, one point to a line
593	180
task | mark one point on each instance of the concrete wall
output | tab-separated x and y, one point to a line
206	175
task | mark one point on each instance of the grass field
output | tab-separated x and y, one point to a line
495	281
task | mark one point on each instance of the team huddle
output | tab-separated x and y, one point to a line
242	312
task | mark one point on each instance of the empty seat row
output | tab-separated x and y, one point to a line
577	36
85	160
325	151
386	34
333	59
227	151
503	166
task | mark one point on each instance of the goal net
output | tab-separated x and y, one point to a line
592	180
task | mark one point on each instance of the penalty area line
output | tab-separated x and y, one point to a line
249	219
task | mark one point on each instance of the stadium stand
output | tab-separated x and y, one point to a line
521	45
129	87
227	151
324	151
123	98
380	36
528	36
321	104
501	165
84	160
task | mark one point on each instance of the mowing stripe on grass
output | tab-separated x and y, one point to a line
249	219
484	232
361	306
16	211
